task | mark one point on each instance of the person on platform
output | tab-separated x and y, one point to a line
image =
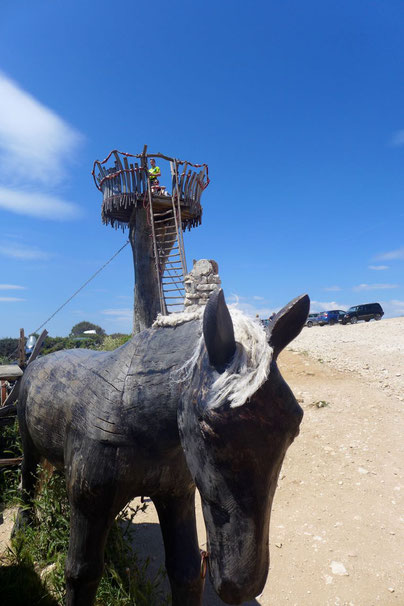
154	173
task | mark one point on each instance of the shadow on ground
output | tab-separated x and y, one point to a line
21	586
149	544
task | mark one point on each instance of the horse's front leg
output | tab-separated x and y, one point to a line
183	559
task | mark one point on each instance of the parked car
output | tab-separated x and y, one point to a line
366	312
312	319
331	317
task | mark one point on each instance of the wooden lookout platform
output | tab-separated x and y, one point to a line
171	208
123	180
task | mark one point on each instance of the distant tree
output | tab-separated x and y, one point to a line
78	329
9	349
53	344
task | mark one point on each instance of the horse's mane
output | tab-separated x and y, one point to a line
248	369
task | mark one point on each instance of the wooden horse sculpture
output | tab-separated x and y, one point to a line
176	406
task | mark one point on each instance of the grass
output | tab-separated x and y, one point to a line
42	548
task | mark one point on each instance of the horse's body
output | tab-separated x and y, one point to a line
126	423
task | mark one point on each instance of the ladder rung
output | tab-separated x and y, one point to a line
174	298
169	241
161	214
165	216
168	220
168	233
173	290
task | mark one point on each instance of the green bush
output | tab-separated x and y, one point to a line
8	350
43	547
10	447
112	342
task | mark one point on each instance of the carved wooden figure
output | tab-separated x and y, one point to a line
176	406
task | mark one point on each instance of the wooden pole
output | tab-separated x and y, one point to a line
3	392
21	349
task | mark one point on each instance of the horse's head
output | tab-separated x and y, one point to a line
237	418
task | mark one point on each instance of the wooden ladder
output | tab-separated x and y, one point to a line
168	248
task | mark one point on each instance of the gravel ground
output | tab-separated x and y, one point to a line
374	350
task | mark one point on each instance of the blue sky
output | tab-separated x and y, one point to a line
297	107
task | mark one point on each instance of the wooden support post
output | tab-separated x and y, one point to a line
21	349
3	390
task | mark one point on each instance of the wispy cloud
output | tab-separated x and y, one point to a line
250	309
378	267
393	308
316	306
120	315
392	255
332	288
10	299
34	142
396	307
398	138
37	205
36	146
22	251
361	287
11	287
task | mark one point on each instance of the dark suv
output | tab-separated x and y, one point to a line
367	311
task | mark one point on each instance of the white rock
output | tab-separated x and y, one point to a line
203	267
338	568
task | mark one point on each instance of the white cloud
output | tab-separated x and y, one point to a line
37	205
398	138
21	251
34	142
120	315
257	298
250	309
316	306
11	287
392	255
332	288
10	299
361	287
393	308
378	267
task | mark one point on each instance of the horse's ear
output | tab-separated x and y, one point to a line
288	323
218	331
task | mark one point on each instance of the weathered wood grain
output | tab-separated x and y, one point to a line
10	372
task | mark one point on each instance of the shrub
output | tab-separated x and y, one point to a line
110	343
44	546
